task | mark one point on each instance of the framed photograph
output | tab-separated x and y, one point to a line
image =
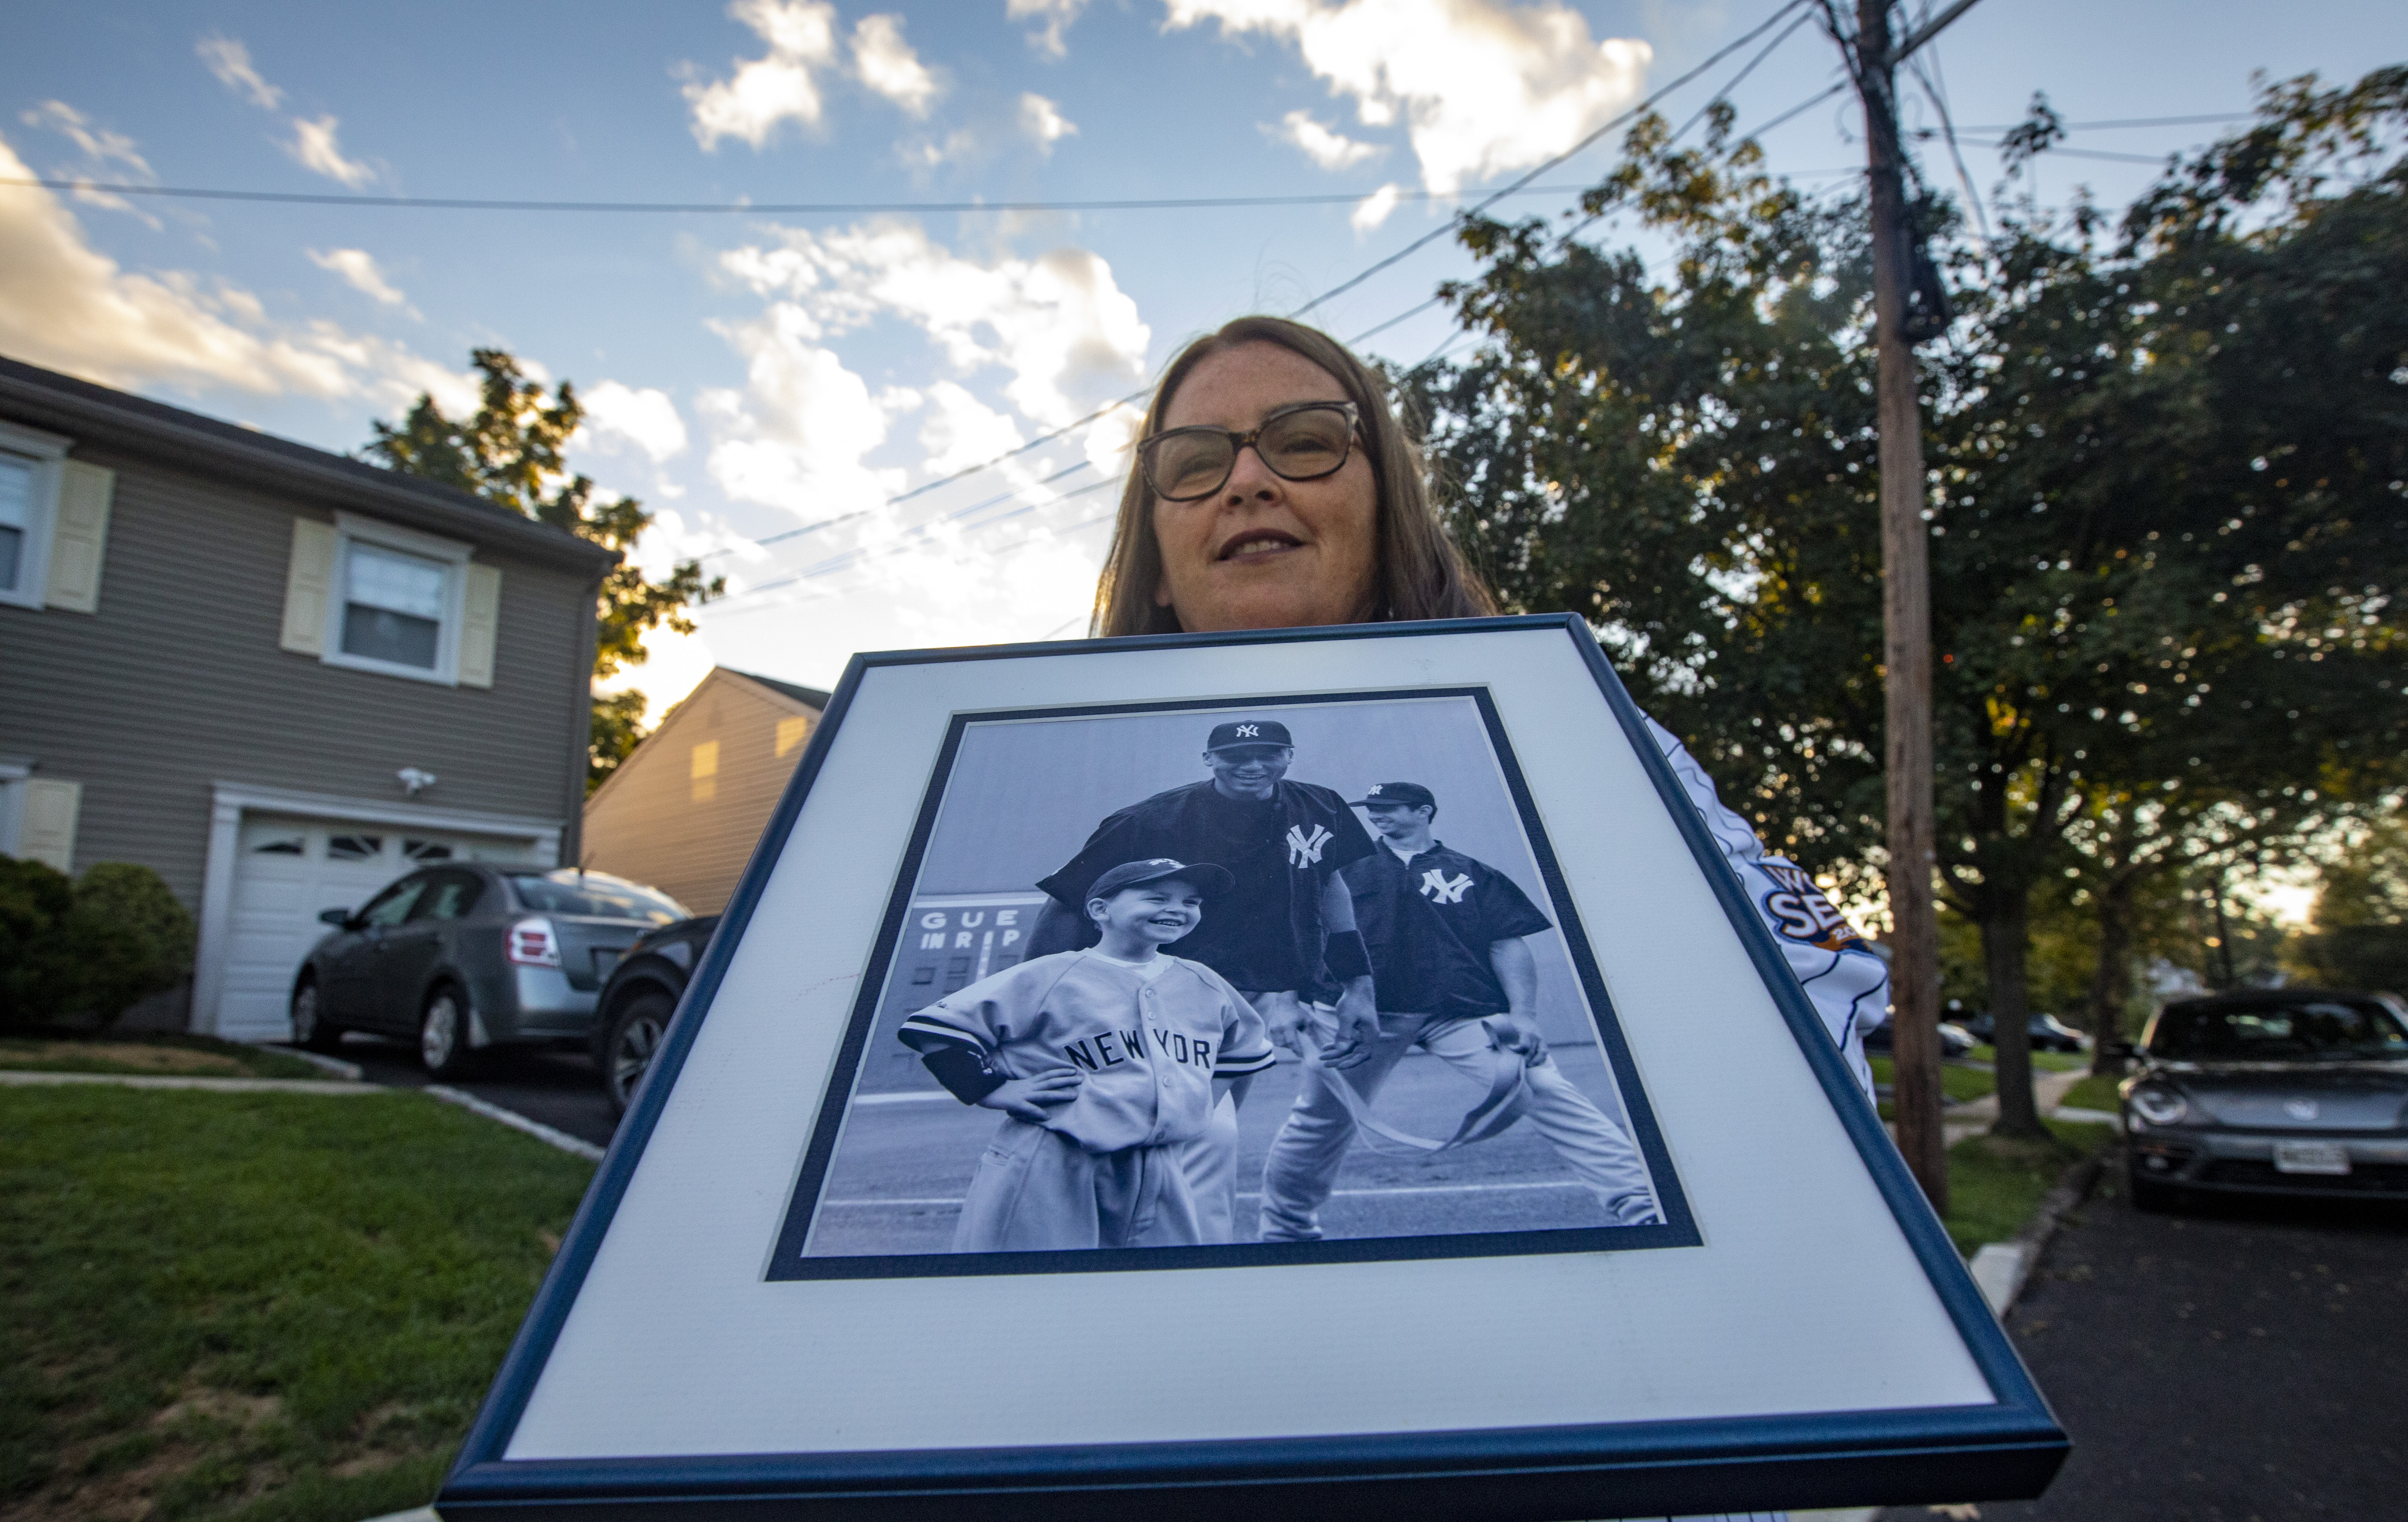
1326	1067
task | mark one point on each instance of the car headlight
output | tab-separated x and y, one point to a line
2160	1106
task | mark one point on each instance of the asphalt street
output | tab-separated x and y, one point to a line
2239	1364
561	1090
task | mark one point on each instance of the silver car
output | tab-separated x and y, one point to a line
2297	1091
465	955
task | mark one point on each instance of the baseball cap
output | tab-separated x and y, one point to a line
1248	732
1409	794
1211	880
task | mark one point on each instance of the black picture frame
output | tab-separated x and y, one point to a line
2008	1448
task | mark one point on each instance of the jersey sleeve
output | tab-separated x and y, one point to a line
1245	1040
977	1018
1506	912
1843	978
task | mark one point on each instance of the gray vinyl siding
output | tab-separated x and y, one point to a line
646	822
178	682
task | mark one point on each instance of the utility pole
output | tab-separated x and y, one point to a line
1906	608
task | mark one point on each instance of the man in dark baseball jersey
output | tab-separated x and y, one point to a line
1454	975
1284	934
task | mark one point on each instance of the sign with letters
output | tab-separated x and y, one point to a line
1323	1068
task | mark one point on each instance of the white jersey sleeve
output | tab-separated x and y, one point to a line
1846	981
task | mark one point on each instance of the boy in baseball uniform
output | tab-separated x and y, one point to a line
1106	1063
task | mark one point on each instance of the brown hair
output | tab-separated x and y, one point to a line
1420	574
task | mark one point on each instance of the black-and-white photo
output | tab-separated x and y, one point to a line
1201	985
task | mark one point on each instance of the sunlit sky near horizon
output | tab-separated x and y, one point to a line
752	373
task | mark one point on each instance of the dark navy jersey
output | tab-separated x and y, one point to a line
1265	935
1429	923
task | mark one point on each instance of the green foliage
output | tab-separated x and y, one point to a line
34	899
89	951
514	452
2166	474
1995	1183
618	728
2359	935
210	1307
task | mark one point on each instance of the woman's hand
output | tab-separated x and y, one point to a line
1033	1099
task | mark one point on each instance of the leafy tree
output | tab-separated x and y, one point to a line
512	452
2149	580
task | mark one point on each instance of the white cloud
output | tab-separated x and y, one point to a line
795	438
886	64
963	431
67	306
100	144
230	60
1374	208
1329	148
1484	87
764	91
646	418
1059	15
313	147
1043	121
359	271
1053	320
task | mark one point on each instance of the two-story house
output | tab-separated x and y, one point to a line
279	676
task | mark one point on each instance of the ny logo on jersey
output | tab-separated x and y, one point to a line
1305	850
1439	888
1248	732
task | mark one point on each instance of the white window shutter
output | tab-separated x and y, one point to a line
479	623
80	537
309	586
46	831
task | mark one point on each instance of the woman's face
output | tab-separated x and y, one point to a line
1264	552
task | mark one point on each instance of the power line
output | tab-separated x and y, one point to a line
757	208
1427	238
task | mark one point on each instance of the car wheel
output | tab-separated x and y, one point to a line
443	1035
628	1049
2154	1196
311	1027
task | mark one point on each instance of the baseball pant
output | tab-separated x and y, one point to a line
1311	1143
1036	1191
1211	1162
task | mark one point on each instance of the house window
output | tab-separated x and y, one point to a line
393	606
31	463
16	519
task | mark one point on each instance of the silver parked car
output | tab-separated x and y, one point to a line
2270	1091
466	956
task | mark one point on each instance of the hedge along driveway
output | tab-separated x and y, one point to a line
256	1305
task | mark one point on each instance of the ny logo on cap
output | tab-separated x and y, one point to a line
1248	732
1375	786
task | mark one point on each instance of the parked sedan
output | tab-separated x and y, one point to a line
2270	1091
636	1005
2048	1033
467	956
1955	1040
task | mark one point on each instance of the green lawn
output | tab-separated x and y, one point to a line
2095	1092
2041	1061
200	1057
271	1307
1993	1185
1958	1082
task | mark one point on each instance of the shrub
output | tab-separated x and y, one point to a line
88	951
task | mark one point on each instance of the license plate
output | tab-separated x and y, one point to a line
2310	1157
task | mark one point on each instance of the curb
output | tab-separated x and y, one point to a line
516	1121
2002	1269
335	1065
13	1078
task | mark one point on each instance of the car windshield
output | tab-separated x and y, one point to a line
2289	1031
569	892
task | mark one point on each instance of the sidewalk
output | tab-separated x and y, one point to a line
1975	1116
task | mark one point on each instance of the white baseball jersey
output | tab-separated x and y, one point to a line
1844	977
1147	1047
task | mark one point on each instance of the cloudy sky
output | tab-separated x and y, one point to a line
754	373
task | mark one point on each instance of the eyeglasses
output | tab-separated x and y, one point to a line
1302	443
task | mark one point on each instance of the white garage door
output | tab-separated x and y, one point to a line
288	869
